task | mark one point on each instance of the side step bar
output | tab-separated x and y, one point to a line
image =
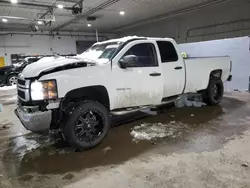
132	110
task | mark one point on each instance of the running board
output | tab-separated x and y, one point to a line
128	111
132	110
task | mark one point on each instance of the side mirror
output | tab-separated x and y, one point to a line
128	61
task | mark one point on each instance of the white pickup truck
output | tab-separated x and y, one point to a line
78	95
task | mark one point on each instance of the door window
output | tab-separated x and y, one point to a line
145	54
168	52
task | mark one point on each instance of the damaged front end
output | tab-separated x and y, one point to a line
33	119
36	116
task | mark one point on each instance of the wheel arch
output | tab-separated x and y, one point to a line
96	93
215	74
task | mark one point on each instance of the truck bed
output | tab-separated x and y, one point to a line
198	69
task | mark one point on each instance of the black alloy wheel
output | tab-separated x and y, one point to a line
87	125
214	93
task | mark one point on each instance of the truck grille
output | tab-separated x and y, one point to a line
21	94
21	82
23	89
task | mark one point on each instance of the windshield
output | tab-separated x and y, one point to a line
102	51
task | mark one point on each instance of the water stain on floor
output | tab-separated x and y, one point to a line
198	129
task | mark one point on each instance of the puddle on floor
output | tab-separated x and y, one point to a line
192	130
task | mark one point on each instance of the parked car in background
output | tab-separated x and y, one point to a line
9	74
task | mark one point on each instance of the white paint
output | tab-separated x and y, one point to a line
123	39
143	89
174	80
198	71
48	59
34	69
238	51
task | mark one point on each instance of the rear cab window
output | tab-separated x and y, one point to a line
167	51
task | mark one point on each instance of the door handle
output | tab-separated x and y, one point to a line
155	74
178	68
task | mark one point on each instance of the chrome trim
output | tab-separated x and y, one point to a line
27	84
24	88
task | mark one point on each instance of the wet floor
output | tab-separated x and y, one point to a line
187	130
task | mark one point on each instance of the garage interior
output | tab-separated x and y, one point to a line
200	147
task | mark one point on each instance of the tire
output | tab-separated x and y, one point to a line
82	124
12	79
214	93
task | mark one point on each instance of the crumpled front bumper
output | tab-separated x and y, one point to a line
34	121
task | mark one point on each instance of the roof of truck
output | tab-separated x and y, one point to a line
125	39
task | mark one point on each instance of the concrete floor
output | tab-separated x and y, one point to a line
207	147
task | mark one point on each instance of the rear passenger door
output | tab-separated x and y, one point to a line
173	69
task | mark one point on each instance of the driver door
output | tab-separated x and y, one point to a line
140	82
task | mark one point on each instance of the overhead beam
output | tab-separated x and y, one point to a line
89	12
34	4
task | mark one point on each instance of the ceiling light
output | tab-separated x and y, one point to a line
4	20
60	6
13	1
39	22
89	25
122	13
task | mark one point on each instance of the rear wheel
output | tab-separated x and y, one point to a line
214	93
12	80
87	125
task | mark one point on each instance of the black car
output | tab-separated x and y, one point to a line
9	74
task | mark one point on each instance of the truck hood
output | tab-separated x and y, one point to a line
34	69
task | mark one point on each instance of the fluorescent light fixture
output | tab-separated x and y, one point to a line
13	1
4	20
39	22
60	6
122	13
89	25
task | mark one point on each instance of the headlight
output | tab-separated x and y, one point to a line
41	90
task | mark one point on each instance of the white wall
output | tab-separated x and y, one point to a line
178	26
38	44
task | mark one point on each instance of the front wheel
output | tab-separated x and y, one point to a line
87	125
214	93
